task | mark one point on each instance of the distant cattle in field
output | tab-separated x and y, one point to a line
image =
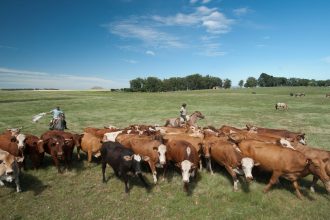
281	105
327	95
299	94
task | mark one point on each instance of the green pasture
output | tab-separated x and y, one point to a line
80	193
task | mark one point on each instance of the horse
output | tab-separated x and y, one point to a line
179	122
299	94
281	105
58	123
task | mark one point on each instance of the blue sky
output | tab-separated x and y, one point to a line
78	44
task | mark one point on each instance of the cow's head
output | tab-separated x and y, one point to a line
56	144
318	168
186	169
236	137
20	140
301	138
206	146
135	160
247	165
161	149
14	131
7	164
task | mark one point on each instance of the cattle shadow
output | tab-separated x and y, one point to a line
31	183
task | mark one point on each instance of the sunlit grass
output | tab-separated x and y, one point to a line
80	193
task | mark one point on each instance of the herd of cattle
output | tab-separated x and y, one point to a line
280	152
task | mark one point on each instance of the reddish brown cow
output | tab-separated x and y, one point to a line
229	129
153	150
10	144
32	150
315	153
300	137
99	132
186	158
68	147
225	154
283	162
53	145
196	142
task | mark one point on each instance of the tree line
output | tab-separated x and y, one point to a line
266	80
190	82
199	82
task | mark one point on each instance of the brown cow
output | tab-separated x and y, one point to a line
283	162
53	145
300	137
11	145
91	145
229	129
316	153
154	150
99	132
32	150
186	158
225	154
196	142
68	147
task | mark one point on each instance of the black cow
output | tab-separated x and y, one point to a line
122	161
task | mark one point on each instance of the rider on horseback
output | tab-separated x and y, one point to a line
56	112
183	112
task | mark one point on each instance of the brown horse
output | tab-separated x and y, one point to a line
191	120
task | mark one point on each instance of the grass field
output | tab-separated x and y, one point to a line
80	193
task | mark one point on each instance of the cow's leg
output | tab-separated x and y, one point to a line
153	171
209	165
104	165
143	180
315	179
125	176
272	181
89	152
296	186
167	123
18	187
78	153
164	170
200	162
57	164
1	183
233	175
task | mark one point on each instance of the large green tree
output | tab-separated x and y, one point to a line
251	82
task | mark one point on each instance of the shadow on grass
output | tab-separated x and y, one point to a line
32	183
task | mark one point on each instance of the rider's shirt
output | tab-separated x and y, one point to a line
56	113
183	111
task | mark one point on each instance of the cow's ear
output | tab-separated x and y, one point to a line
325	160
155	148
19	159
193	166
127	158
146	158
257	164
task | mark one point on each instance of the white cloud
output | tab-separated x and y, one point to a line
145	33
13	78
210	48
131	61
202	1
241	11
326	59
211	19
149	52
